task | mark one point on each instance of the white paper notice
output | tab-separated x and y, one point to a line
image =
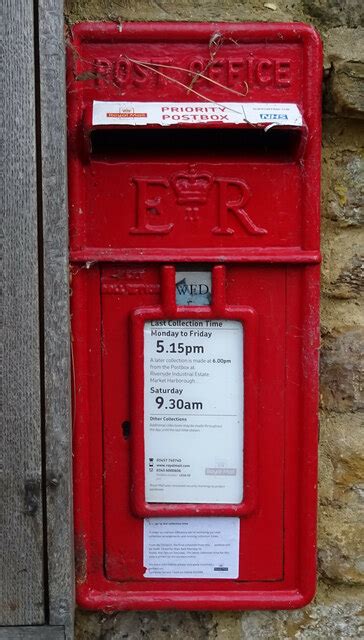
171	113
193	411
191	547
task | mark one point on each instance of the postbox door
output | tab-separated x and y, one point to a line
129	287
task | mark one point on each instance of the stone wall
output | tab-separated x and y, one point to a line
337	610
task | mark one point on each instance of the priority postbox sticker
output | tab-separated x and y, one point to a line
172	113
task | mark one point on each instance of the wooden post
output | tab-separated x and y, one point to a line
36	537
57	359
21	526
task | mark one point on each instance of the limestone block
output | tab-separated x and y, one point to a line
344	72
136	625
347	89
342	372
343	173
334	13
350	282
341	461
346	200
341	545
343	43
336	614
343	262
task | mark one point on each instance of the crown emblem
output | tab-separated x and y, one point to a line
192	189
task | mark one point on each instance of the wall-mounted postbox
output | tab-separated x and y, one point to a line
194	230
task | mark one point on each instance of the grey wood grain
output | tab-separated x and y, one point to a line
32	633
56	313
21	522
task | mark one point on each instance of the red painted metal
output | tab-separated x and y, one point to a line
257	228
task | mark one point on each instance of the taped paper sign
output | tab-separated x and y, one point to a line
191	547
171	113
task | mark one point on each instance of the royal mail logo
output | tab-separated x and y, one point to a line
126	115
273	116
125	112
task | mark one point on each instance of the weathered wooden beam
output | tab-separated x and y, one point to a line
56	313
21	525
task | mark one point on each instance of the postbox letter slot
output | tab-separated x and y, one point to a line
278	142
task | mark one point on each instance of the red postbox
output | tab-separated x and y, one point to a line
194	155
